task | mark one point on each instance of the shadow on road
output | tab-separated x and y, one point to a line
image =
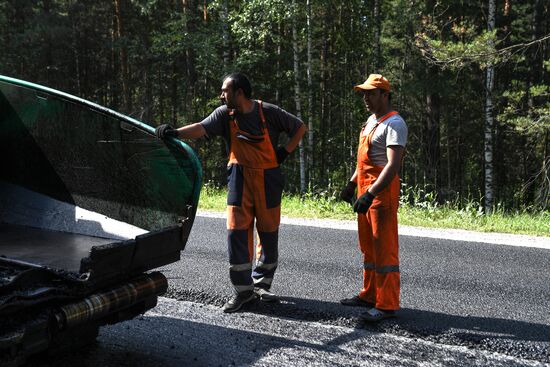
163	341
166	341
410	322
474	328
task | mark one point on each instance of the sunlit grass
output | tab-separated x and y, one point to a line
469	217
446	217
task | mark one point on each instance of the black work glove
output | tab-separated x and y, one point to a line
165	130
364	202
281	154
348	192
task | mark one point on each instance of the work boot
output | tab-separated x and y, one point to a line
237	301
265	295
356	301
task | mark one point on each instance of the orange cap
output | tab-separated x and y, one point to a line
374	81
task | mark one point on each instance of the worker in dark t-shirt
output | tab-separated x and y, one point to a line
251	129
278	121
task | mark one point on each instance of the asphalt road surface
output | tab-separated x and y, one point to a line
464	303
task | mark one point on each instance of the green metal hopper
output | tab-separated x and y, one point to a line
90	200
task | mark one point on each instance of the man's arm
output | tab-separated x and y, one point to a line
283	152
295	139
395	156
193	131
213	125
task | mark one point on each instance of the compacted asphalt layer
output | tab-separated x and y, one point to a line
464	303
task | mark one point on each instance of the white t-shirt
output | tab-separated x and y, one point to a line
392	131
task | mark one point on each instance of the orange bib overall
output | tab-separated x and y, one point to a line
255	186
377	230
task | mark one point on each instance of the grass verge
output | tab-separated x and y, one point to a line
422	215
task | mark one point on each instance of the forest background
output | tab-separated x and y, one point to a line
471	79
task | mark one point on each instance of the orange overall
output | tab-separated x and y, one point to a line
255	186
377	229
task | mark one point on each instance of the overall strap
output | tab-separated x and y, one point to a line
232	119
387	116
262	116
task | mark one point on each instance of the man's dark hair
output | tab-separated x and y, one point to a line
240	81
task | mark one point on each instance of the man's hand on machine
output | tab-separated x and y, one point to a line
364	202
163	131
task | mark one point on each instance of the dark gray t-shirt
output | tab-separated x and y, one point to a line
277	121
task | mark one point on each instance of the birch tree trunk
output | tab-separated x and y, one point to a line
298	104
323	112
309	96
489	119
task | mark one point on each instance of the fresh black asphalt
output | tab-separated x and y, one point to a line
464	304
483	296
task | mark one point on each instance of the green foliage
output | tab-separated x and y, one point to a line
255	22
319	204
536	120
471	48
423	212
526	111
173	39
177	52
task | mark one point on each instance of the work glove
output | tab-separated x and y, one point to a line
281	154
165	130
364	202
348	192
